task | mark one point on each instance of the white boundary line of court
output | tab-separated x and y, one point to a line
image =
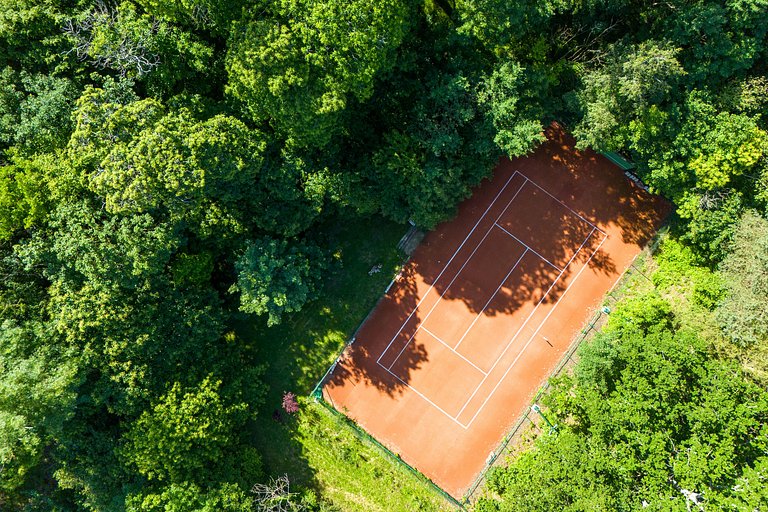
454	277
565	205
449	262
530	340
495	224
529	248
454	419
451	349
477	316
530	315
433	404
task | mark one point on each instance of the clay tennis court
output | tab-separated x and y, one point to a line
487	306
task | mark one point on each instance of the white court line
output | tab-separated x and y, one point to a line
492	296
451	349
533	335
424	397
562	203
511	341
450	260
526	246
450	283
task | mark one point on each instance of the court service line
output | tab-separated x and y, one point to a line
511	341
530	340
452	280
451	259
451	349
562	203
424	397
527	247
492	296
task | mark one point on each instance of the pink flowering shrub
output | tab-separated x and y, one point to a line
290	405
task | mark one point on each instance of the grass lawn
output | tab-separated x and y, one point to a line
314	448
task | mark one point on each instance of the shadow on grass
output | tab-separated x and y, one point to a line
302	347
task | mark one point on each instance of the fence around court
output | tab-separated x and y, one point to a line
509	442
362	435
357	430
365	437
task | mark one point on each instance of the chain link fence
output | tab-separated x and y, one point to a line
527	421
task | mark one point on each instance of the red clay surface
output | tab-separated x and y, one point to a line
488	305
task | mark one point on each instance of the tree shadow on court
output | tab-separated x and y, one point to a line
594	186
571	201
569	193
377	359
555	244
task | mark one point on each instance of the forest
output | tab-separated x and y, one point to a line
192	194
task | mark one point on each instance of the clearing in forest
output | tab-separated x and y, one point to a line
487	306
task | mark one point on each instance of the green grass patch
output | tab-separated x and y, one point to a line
314	450
356	474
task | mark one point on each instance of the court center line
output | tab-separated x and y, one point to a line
451	259
454	277
492	296
511	341
562	203
424	397
530	340
527	247
451	349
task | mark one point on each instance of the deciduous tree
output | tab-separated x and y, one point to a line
276	276
298	66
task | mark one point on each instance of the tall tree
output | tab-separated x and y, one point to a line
300	63
187	435
630	88
118	37
277	276
38	378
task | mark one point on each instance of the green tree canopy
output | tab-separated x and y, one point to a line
120	38
433	152
276	276
635	81
671	421
300	63
187	434
517	131
24	192
37	396
191	498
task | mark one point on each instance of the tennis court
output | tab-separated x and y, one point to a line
488	305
